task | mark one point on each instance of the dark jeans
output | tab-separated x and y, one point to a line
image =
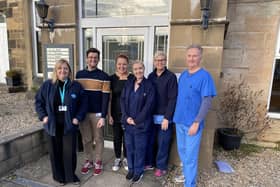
158	147
119	140
62	151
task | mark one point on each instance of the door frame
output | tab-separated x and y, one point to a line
130	22
143	31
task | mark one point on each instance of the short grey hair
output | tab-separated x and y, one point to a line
196	46
138	62
159	53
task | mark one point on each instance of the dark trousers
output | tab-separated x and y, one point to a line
159	141
119	140
62	151
136	143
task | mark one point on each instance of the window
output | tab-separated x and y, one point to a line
37	44
274	104
119	8
161	39
87	41
2	19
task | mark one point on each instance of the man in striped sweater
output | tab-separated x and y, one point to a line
97	86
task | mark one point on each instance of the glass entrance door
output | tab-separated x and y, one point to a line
132	42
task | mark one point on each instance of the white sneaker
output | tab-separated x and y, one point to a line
179	179
124	163
117	164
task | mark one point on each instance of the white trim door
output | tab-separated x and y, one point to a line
4	56
137	39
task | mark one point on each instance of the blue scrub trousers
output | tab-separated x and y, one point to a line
188	149
135	143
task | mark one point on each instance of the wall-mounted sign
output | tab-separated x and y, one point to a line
54	52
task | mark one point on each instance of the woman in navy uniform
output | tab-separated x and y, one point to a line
61	105
137	101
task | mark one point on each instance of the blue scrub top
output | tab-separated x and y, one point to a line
191	90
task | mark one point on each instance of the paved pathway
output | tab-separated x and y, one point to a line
38	174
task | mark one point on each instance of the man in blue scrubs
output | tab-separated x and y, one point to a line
195	92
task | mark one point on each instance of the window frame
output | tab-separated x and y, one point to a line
275	115
34	42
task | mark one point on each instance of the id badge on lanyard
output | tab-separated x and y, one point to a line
62	107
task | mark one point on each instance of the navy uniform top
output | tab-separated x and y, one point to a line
192	88
166	93
142	111
75	100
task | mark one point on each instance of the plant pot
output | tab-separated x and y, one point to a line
229	139
13	81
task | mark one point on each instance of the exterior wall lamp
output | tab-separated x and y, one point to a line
42	9
205	7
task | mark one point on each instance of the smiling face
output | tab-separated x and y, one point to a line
193	58
121	66
62	72
92	60
138	70
160	62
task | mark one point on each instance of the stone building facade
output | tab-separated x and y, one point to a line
242	38
17	14
250	49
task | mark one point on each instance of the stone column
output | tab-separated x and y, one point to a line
185	29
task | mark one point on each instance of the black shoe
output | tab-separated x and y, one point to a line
137	178
129	176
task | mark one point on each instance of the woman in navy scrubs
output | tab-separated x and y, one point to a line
137	101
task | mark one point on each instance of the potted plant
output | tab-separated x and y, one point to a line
242	113
13	77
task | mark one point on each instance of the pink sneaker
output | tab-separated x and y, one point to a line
160	173
87	166
97	168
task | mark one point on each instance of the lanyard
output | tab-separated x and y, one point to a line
62	93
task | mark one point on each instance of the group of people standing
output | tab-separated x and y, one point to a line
143	113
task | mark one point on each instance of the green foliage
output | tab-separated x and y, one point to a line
241	108
13	73
34	89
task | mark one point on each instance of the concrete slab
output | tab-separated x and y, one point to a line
39	172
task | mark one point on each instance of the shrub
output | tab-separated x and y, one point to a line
241	108
13	73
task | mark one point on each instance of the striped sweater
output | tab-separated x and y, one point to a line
97	86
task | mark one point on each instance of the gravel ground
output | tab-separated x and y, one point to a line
259	169
16	113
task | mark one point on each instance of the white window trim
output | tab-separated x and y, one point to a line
34	29
277	56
